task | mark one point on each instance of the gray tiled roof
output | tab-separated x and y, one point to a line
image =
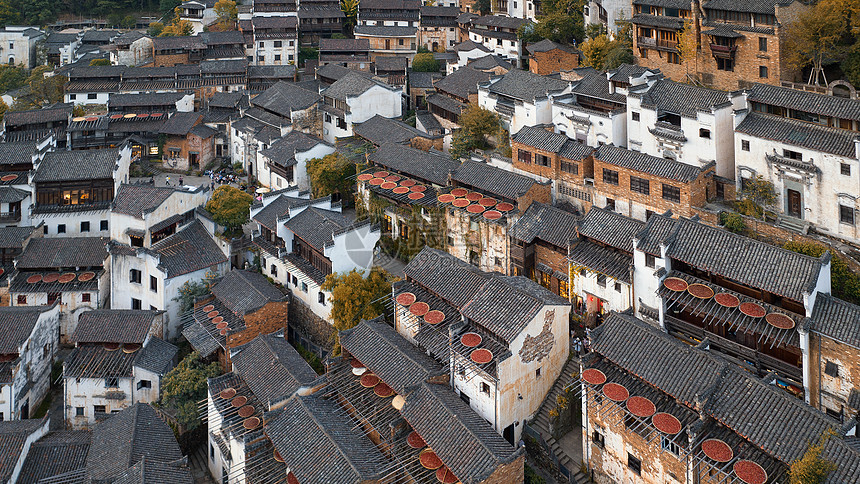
13	437
136	200
673	23
679	4
321	445
391	63
180	123
385	31
683	99
625	71
805	101
755	6
526	86
546	223
158	356
94	361
145	99
14	237
55	453
446	102
425	165
489	62
45	253
150	471
610	228
638	161
316	226
188	250
127	437
492	180
602	259
283	151
540	138
462	439
17	324
380	130
453	280
798	133
547	45
499	21
272	368
284	97
17	152
399	363
57	113
77	165
598	87
114	326
468	45
836	319
742	259
244	292
352	85
268	216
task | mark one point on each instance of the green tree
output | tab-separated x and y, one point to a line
332	174
45	89
191	290
476	123
100	62
227	13
812	468
817	36
12	77
230	207
757	196
350	11
3	108
425	62
594	51
482	6
595	30
562	21
620	54
155	29
186	385
733	222
355	297
844	283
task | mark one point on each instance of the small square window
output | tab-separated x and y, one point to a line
537	373
704	133
135	303
86	297
635	115
598	439
22	300
99	409
277	57
278	43
649	260
304	287
831	369
846	215
61	229
845	169
321	298
73	96
745	145
103	225
91	96
610	204
485	388
601	280
262	44
617	287
85	226
79	411
762	72
762	44
134	276
144	384
153	284
634	464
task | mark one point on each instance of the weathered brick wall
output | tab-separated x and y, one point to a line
550	62
170	60
425	144
826	391
537	193
303	319
271	318
508	473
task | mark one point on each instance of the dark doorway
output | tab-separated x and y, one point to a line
508	434
794	203
25	410
194	159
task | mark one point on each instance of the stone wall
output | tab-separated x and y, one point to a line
828	391
304	321
508	473
550	62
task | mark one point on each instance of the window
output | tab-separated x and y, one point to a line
321	298
399	41
304	287
832	369
640	185
91	96
524	156
99	409
762	44
725	64
635	115
762	72
673	58
601	280
745	145
79	411
673	194
295	281
634	464
153	284
61	229
670	445
794	155
485	388
277	57
610	177
328	118
86	297
73	96
144	384
278	43
845	169
85	226
262	44
134	276
846	215
135	303
610	204
261	58
704	133
274	270
542	160
617	287
537	373
568	167
103	225
598	439
54	297
649	261
111	382
22	300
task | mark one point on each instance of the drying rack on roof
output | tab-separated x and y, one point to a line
716	314
721	471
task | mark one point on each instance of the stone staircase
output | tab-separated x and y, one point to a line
541	422
791	223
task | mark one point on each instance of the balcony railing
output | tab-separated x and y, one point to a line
669	45
9	217
724	51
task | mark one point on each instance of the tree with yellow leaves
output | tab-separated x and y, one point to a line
227	13
688	46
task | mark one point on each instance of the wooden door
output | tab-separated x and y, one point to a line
794	203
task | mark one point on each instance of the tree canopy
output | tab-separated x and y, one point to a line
350	10
12	77
561	22
354	297
184	386
482	6
227	13
812	468
826	33
332	174
230	207
603	53
843	281
756	197
476	123
425	62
